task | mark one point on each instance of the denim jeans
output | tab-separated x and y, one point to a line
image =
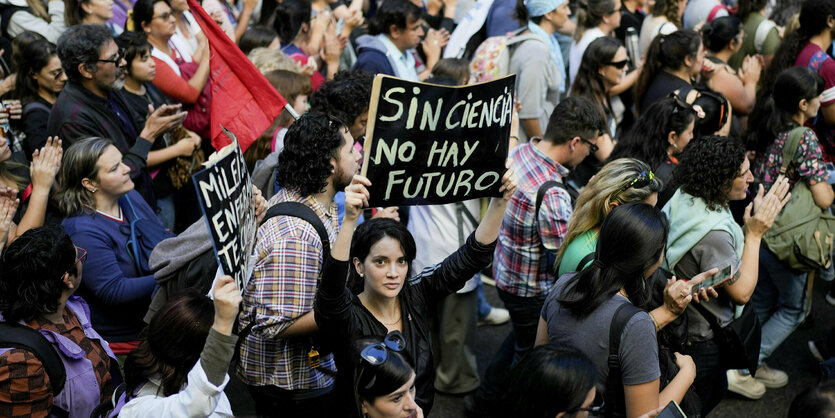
524	319
711	381
484	308
779	301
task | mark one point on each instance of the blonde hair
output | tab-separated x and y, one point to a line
594	202
267	60
38	9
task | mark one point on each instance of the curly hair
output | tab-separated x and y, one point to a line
648	139
32	270
175	338
81	45
305	163
346	96
707	169
594	202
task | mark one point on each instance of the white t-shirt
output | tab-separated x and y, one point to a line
652	27
575	56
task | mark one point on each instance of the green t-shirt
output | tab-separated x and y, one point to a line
579	247
769	46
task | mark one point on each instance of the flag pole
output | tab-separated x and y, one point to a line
292	111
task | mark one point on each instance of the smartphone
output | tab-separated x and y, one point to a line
725	273
672	410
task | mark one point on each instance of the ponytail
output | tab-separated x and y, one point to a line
590	13
666	52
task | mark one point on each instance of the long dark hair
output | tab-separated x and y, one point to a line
175	338
774	114
719	32
370	381
589	83
716	109
648	139
746	7
143	12
38	54
547	381
290	15
631	240
813	16
590	13
666	52
369	233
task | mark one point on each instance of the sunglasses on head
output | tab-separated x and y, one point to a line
619	64
680	104
639	182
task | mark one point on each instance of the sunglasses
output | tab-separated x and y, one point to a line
377	353
619	64
594	148
639	182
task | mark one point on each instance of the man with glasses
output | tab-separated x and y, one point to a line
91	103
39	272
523	264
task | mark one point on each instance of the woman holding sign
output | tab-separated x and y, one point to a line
101	206
381	252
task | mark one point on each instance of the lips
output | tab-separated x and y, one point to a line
392	286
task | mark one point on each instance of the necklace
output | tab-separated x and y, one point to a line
390	324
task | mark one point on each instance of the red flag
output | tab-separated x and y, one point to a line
243	101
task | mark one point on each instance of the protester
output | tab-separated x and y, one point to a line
187	29
524	256
346	97
714	113
603	67
539	64
658	138
671	63
630	249
179	368
385	383
761	36
268	59
259	37
595	19
393	34
91	12
703	235
318	160
723	38
38	92
621	181
552	382
805	47
302	38
98	199
780	296
45	19
39	275
632	15
90	103
703	11
664	19
381	254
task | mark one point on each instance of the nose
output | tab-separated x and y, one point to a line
125	169
392	272
410	401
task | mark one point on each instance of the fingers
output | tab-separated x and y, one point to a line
747	213
704	275
360	179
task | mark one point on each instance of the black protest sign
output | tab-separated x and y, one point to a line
432	144
224	189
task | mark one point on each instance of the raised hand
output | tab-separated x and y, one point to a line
356	197
45	164
227	300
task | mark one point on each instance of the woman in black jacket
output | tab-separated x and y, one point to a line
391	299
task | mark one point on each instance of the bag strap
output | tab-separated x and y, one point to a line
714	11
132	209
19	336
540	194
614	382
586	260
790	147
761	34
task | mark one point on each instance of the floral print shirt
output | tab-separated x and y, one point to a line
808	164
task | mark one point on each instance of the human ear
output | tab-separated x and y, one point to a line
85	71
88	184
67	282
358	267
803	105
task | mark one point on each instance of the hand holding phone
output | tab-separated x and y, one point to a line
672	410
724	274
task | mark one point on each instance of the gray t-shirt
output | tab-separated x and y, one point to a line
698	11
716	249
537	82
638	350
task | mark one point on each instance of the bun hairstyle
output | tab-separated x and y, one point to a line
716	109
590	13
719	32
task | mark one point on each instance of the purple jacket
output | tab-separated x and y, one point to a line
81	390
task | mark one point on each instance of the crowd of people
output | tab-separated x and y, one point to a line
655	148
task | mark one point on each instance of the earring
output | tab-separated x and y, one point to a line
362	275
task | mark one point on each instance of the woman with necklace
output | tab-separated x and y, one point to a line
381	252
141	93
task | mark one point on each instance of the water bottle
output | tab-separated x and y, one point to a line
632	47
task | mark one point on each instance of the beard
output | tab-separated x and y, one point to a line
119	82
341	179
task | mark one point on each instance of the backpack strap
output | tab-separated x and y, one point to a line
301	211
586	260
19	336
790	147
540	194
761	34
614	382
714	11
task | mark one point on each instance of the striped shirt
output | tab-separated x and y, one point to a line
282	289
519	264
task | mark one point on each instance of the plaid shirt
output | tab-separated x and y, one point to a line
519	265
283	288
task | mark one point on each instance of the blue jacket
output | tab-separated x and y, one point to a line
372	56
117	294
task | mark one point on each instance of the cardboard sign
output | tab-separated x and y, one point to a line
224	189
430	144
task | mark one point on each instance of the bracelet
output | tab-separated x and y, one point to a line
651	316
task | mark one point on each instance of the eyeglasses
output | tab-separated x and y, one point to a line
639	182
619	64
82	255
594	148
115	61
164	16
